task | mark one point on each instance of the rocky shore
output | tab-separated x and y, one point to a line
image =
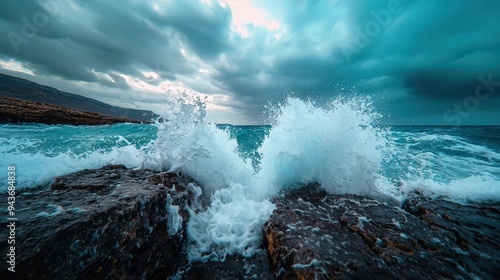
14	110
119	223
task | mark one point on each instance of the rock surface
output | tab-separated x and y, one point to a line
235	267
313	235
119	223
100	224
19	111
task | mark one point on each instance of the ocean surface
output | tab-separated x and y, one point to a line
339	145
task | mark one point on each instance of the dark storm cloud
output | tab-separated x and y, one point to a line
439	49
206	29
440	42
427	55
112	37
446	85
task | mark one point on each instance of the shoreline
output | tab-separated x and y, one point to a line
14	110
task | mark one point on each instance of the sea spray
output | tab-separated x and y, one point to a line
336	145
185	143
233	221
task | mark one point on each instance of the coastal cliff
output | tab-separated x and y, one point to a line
18	88
20	111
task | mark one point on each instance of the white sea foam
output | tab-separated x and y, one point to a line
38	169
234	220
174	219
464	190
186	144
232	224
448	166
336	146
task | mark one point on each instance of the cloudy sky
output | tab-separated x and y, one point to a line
421	61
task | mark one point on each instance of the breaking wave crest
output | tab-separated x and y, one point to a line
336	145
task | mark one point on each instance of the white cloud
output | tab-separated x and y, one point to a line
245	13
13	65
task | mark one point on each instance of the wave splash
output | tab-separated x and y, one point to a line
336	145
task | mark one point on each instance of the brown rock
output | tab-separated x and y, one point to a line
19	111
315	235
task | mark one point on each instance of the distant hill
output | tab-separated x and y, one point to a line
21	111
19	88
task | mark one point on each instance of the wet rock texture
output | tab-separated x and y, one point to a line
119	223
235	267
313	235
109	223
19	111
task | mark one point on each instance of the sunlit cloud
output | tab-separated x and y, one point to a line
246	13
13	65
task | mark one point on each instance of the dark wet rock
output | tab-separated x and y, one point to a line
235	267
314	235
20	111
119	223
109	223
474	229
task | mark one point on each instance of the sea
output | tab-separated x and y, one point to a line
340	145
